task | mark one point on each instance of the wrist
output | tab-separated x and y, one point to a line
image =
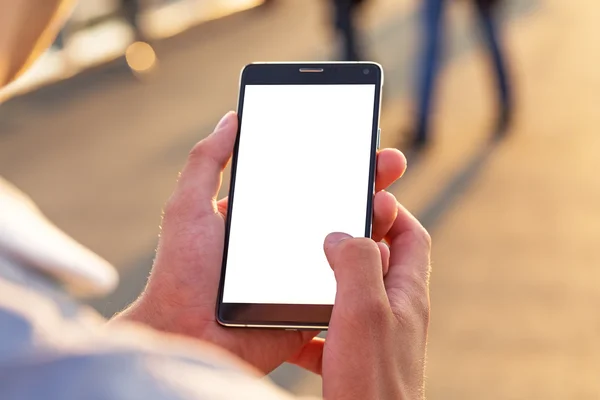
141	312
160	311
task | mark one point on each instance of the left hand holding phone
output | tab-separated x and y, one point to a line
181	293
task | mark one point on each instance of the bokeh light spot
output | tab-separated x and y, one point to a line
140	57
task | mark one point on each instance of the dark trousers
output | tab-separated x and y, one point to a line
59	41
433	23
344	20
131	11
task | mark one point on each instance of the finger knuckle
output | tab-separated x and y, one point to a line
418	289
414	310
177	210
359	248
422	236
377	308
200	150
373	309
422	310
418	281
171	207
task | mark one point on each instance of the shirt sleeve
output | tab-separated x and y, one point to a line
52	348
128	374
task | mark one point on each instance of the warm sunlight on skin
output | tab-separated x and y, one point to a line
27	28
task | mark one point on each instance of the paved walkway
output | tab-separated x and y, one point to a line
515	287
516	284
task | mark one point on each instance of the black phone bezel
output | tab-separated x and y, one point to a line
295	316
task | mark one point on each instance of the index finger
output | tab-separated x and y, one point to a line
391	164
409	267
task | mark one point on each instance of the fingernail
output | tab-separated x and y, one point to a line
333	239
225	121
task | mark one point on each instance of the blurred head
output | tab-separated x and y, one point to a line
27	28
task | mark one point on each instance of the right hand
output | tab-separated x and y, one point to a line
375	347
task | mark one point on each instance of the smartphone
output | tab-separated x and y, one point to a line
303	166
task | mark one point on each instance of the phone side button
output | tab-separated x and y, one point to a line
378	137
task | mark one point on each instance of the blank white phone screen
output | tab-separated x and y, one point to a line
302	172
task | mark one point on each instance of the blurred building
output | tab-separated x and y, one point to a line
99	31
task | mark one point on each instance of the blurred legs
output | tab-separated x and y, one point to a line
492	38
344	15
432	30
131	10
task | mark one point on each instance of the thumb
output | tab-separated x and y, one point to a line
356	263
200	180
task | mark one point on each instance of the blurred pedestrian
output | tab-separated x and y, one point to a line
168	344
131	12
345	14
59	42
433	28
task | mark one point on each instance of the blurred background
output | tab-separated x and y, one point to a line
501	156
